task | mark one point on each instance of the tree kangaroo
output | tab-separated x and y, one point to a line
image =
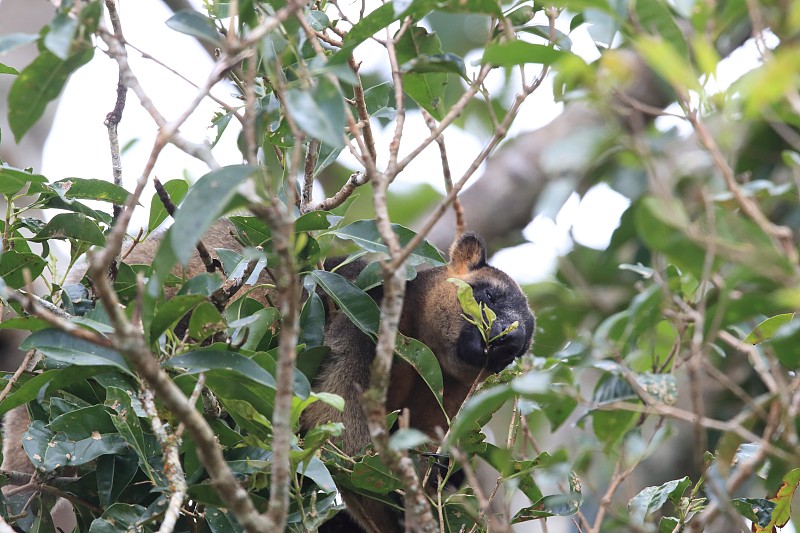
431	314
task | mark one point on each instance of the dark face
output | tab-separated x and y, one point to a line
500	293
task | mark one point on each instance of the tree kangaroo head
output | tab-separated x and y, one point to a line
461	349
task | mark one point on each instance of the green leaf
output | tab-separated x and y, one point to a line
13	180
221	521
428	89
40	385
312	321
520	52
380	101
60	346
127	423
173	310
220	361
72	226
783	502
205	321
767	329
445	63
5	69
196	24
82	423
253	230
114	473
315	221
90	189
422	359
655	18
359	307
176	189
653	498
320	113
758	510
478	408
39	83
204	204
119	518
14	263
364	233
49	451
372	475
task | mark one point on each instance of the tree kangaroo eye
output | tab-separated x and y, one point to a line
489	296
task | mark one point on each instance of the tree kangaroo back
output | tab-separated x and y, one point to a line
431	314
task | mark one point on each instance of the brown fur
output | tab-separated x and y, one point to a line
431	314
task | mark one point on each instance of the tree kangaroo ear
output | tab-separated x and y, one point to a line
467	253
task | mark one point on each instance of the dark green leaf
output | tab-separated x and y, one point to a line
72	226
435	63
315	221
114	473
39	83
14	263
211	360
172	311
40	385
176	189
13	180
372	475
63	347
119	518
312	321
221	521
82	423
127	423
61	452
758	510
355	303
422	359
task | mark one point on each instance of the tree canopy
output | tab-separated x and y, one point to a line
661	392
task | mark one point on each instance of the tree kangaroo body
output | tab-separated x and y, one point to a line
431	314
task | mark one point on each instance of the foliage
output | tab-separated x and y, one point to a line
685	323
